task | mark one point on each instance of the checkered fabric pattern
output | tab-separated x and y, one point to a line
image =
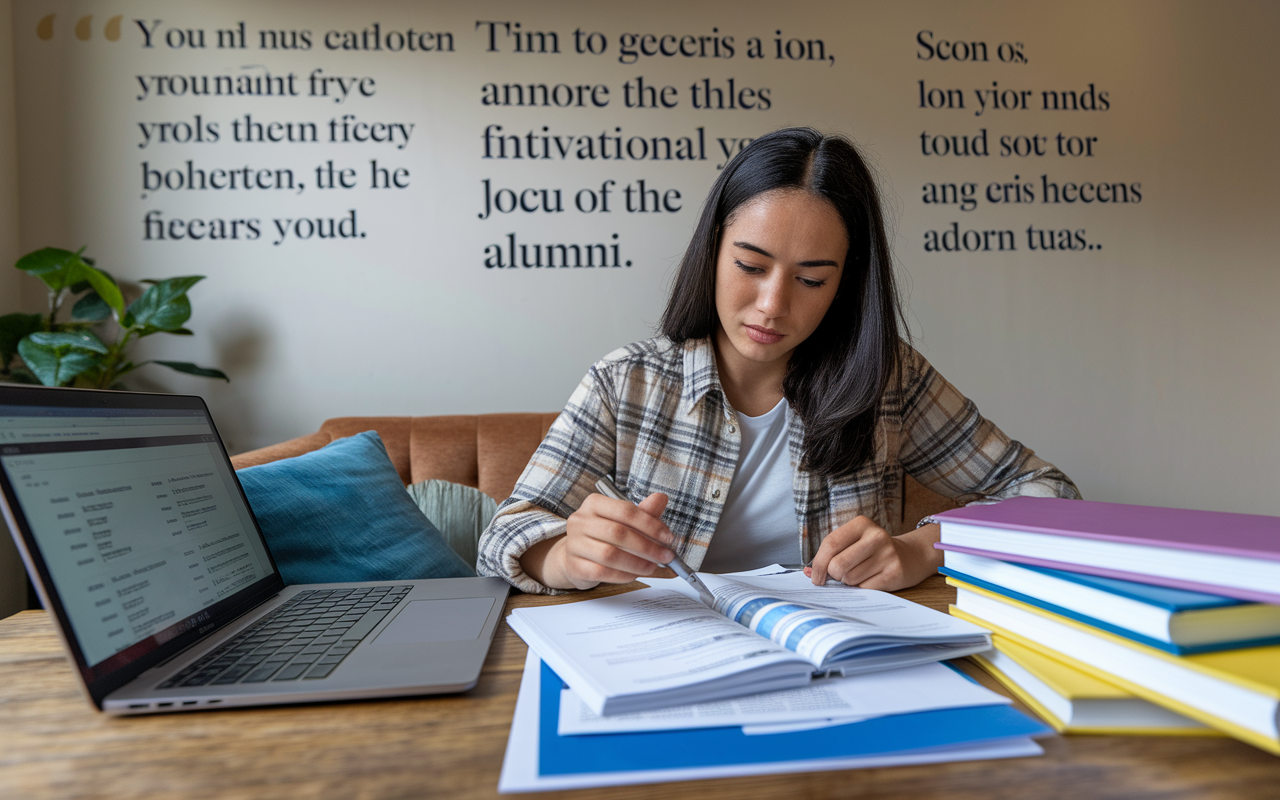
654	417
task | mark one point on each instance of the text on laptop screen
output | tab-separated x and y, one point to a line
137	517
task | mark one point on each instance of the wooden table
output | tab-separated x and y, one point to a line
53	744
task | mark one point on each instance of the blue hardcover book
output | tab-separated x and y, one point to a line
568	755
1174	620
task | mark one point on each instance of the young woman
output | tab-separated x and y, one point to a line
771	419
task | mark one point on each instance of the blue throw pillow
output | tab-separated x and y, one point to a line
341	514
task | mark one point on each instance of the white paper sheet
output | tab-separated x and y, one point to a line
656	647
792	727
824	622
651	640
682	586
867	609
900	691
520	765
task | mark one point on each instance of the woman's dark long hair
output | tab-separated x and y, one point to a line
835	378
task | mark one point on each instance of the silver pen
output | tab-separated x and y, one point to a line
606	488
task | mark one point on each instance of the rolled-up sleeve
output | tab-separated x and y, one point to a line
955	451
579	448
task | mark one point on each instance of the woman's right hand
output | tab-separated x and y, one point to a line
607	541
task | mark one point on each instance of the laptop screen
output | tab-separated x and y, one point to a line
138	519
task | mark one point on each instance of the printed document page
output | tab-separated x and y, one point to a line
649	642
834	622
656	648
926	687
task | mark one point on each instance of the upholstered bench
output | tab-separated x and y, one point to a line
488	452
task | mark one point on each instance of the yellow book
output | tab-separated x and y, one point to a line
1235	691
1076	702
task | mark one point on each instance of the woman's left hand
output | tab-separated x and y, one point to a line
861	553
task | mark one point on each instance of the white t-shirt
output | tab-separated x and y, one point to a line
758	525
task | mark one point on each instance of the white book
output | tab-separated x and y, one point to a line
655	648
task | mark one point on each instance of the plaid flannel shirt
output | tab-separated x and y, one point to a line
654	416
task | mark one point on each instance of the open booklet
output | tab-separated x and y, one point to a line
658	647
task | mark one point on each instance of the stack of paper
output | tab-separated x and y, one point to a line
908	715
1119	593
658	647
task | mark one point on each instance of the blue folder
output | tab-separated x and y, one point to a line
617	752
1198	598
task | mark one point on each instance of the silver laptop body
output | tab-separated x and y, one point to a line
144	550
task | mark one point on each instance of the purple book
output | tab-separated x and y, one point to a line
1236	555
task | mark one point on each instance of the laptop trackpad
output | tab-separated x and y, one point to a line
438	621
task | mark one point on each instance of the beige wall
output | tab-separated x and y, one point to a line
1145	369
13	588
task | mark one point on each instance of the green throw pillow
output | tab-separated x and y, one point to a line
340	514
460	512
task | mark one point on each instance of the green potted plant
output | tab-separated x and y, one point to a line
71	353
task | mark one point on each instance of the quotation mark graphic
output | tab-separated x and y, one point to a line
84	28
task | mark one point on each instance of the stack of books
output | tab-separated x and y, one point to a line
1112	618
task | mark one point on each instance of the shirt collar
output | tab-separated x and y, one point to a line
700	374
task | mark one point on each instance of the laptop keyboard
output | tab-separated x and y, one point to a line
304	639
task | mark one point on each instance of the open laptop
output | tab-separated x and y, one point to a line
143	547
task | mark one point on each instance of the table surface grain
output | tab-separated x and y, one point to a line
53	744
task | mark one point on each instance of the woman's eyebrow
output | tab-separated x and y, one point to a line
815	263
753	248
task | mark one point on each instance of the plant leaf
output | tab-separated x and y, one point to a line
192	369
63	269
164	305
178	285
91	308
147	331
81	340
84	285
58	268
13	327
105	286
171	315
55	365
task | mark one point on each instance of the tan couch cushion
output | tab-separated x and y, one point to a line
488	451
